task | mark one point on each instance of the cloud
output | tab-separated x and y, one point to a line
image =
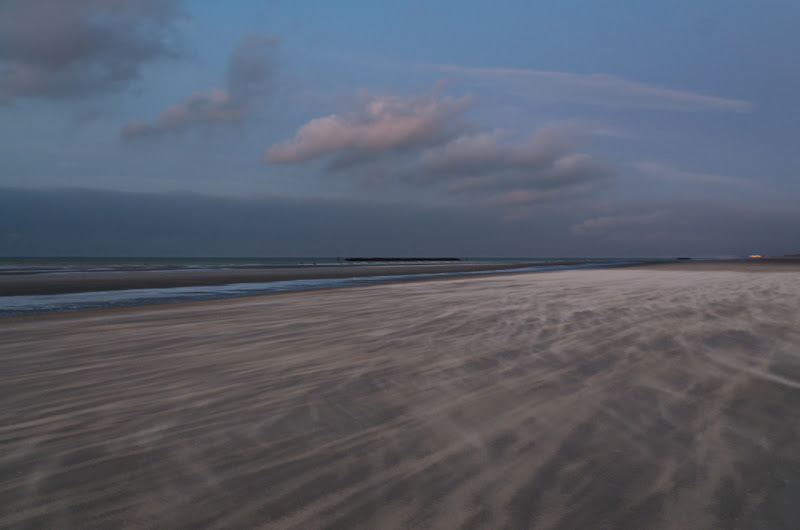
37	222
596	89
424	142
661	171
502	172
484	151
198	108
59	48
378	124
251	65
602	225
250	69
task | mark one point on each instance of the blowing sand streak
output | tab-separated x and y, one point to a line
585	399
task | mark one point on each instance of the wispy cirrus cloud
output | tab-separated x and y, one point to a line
661	171
424	142
613	223
59	48
595	89
250	71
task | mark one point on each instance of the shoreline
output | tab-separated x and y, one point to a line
83	282
64	294
738	265
741	266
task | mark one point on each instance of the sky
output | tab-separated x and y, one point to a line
299	128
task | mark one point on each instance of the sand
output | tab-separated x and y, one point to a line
631	398
748	265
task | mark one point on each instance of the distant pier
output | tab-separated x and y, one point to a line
395	260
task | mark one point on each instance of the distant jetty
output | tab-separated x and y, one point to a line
395	260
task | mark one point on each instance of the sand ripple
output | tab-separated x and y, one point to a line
583	399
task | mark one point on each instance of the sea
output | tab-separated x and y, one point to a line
55	303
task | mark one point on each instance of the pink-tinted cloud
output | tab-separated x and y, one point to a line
488	150
425	142
379	124
198	108
539	168
250	70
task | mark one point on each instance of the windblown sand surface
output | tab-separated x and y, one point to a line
585	399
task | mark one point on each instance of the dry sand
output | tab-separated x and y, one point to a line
647	398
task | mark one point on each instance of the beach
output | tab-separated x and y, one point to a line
65	283
663	396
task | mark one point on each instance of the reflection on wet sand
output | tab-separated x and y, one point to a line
586	399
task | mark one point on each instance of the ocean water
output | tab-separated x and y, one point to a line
38	304
44	265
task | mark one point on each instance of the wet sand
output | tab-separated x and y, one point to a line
629	398
745	265
62	283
